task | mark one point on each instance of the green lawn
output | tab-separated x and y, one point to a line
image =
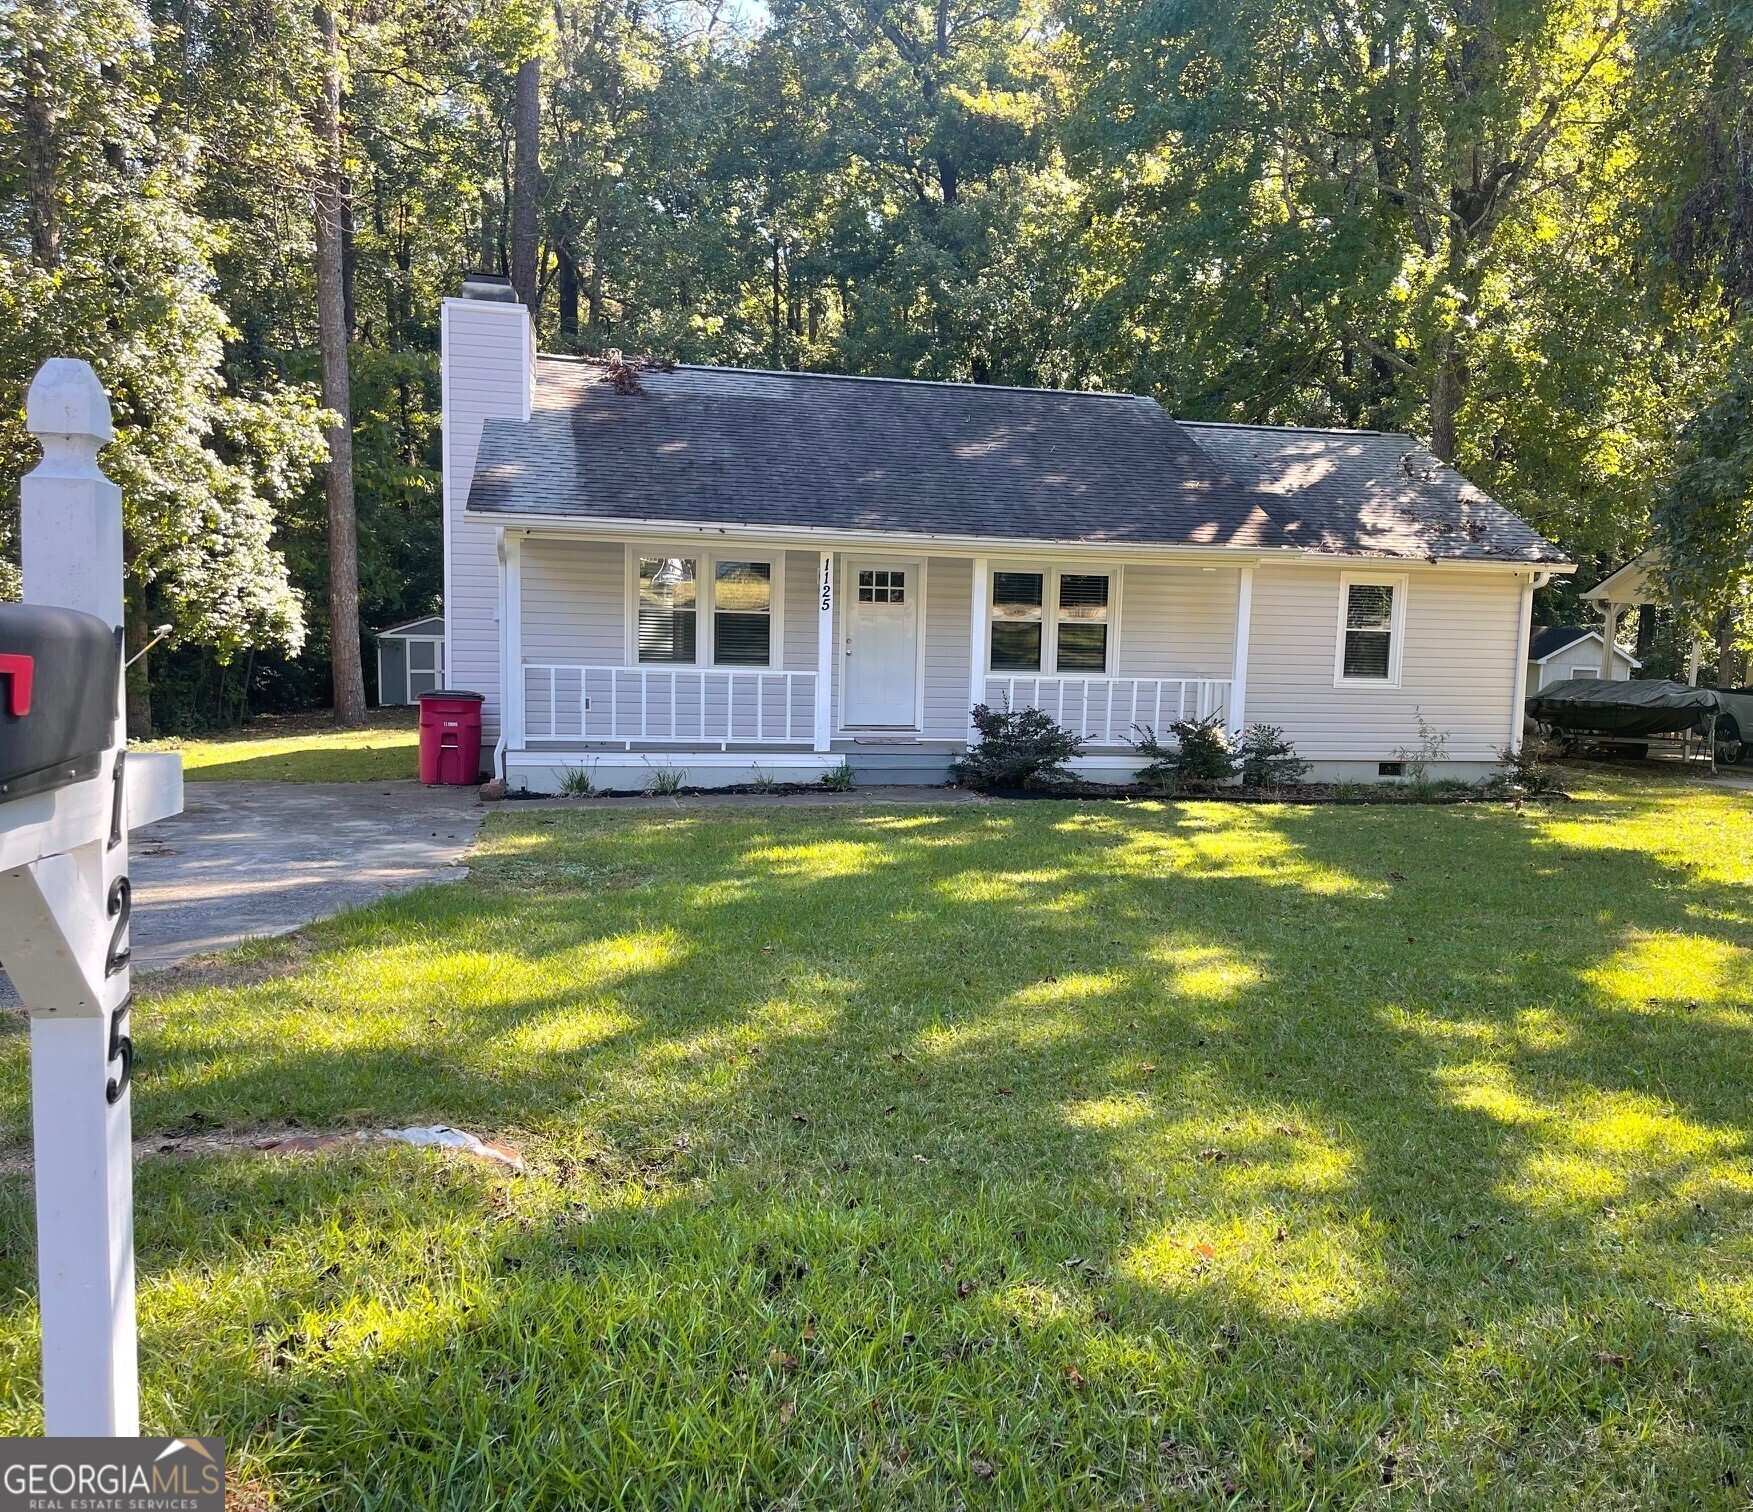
1033	1154
304	749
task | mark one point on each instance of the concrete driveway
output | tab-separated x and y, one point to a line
247	859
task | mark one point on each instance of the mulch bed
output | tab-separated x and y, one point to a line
1385	793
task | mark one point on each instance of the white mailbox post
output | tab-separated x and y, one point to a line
64	905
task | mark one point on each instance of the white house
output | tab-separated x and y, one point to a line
1557	653
731	571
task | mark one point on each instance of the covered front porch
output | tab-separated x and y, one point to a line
623	658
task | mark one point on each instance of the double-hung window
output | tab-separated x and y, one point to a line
668	609
1081	641
1016	621
694	611
742	614
1051	620
1372	612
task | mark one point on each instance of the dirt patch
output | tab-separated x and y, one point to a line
193	1139
218	969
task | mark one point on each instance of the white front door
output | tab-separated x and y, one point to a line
882	644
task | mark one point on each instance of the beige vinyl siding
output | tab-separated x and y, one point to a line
486	372
801	631
1178	622
1458	663
948	659
574	602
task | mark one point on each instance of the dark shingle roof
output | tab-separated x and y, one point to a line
731	446
1371	493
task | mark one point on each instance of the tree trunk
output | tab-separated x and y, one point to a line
344	658
41	154
1446	384
1646	631
1725	650
135	636
776	288
568	295
527	123
349	260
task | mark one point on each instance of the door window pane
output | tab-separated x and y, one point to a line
422	656
667	609
882	585
742	613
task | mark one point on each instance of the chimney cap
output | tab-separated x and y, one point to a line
494	287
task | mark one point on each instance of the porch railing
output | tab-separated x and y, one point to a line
1104	709
684	705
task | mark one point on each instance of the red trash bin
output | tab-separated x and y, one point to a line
450	738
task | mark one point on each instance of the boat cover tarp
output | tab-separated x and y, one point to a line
1643	706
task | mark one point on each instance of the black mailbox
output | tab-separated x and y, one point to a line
58	675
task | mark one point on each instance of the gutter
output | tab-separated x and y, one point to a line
636	527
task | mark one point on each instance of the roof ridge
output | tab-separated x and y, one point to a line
582	359
1318	430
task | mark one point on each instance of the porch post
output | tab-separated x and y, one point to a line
1239	669
977	641
1609	635
825	652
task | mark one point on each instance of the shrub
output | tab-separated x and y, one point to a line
1532	768
1433	745
1162	768
839	779
577	782
1201	754
1018	748
1268	760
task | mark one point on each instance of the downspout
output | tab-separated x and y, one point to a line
1525	626
504	676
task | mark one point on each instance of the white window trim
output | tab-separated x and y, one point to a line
705	580
1396	628
1050	573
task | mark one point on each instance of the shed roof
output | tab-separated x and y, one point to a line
734	446
1547	641
427	624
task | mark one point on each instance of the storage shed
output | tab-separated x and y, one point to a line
410	660
1557	653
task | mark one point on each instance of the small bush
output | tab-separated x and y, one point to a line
1268	760
1162	768
763	781
839	779
577	782
1532	769
1018	748
1201	755
1433	745
664	782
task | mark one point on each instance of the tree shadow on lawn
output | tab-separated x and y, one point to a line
1111	1151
